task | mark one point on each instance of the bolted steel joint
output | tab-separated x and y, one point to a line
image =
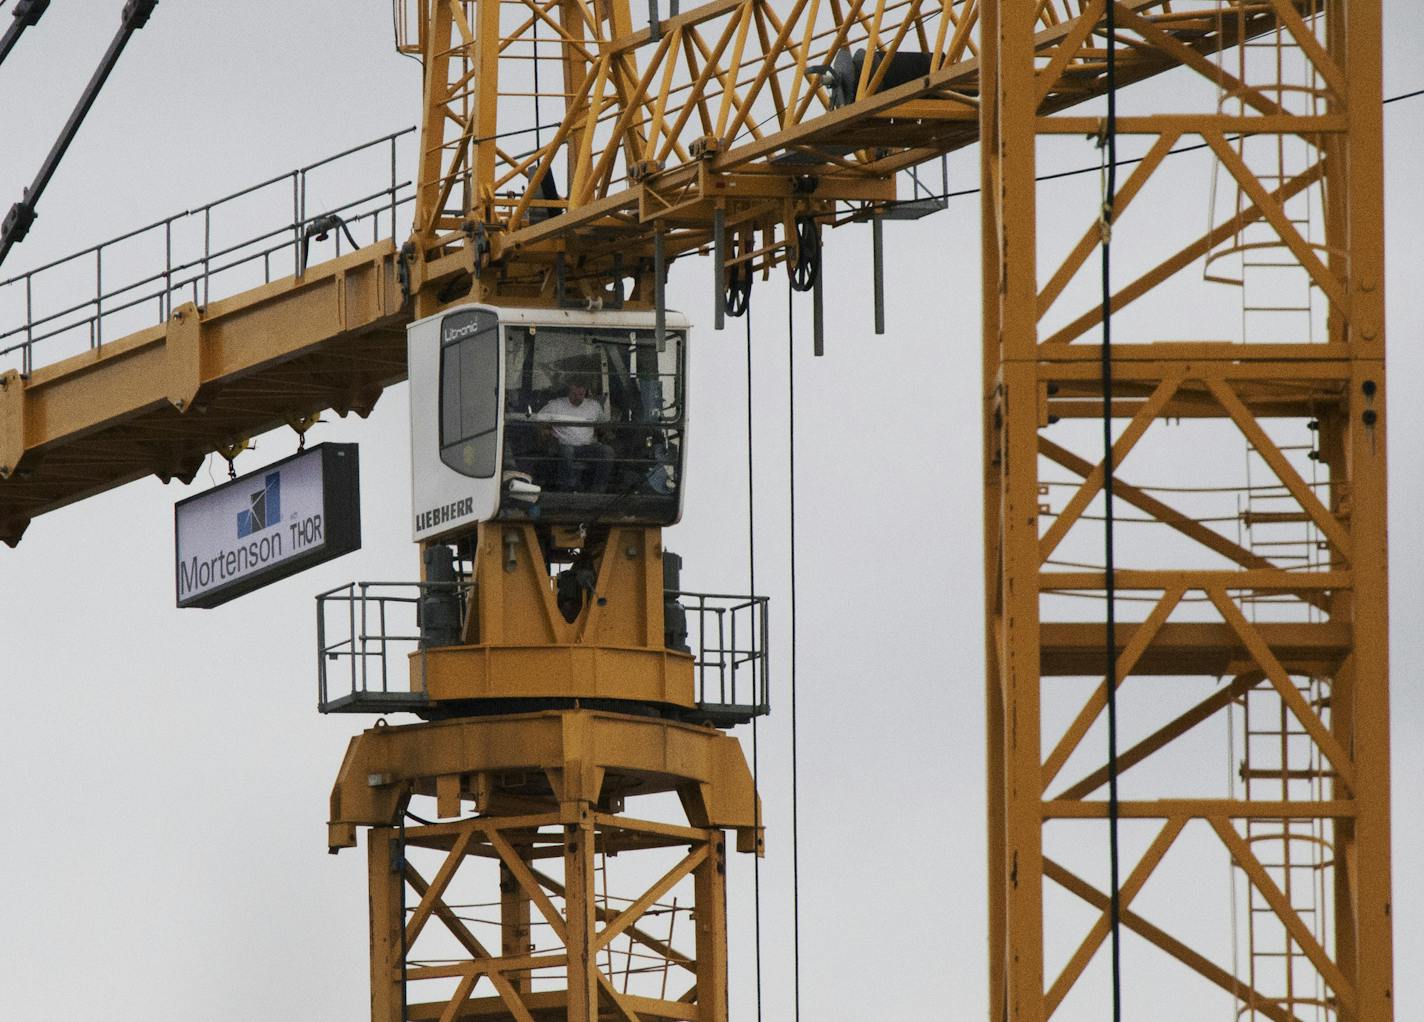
27	12
643	169
19	220
137	12
706	147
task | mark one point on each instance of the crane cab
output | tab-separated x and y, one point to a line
550	416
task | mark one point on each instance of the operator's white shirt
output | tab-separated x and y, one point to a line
563	411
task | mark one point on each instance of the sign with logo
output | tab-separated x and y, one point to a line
265	526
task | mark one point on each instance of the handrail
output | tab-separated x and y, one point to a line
366	624
736	668
189	264
209	205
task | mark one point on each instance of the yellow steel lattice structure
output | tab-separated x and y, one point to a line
1199	603
561	138
549	790
748	132
741	107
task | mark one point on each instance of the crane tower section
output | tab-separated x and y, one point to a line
570	150
1248	410
559	684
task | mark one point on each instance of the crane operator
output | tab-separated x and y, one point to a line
572	417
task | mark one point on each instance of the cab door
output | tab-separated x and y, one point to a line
456	388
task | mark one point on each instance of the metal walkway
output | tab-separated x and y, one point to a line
135	280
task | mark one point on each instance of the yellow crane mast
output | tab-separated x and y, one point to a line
1305	626
744	128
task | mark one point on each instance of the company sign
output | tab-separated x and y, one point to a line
265	526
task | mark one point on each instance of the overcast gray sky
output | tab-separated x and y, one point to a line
165	850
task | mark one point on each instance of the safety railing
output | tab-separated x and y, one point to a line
922	192
367	630
131	281
727	636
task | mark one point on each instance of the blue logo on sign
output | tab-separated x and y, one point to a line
266	507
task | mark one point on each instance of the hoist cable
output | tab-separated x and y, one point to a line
1110	582
512	132
751	583
795	800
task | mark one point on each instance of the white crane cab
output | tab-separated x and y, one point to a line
547	415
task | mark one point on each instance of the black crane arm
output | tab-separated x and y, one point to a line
25	14
22	214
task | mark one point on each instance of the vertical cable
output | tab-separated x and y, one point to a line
795	801
1109	566
751	582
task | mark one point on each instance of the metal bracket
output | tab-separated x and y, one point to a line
480	247
818	317
403	270
659	286
643	169
719	268
705	148
877	249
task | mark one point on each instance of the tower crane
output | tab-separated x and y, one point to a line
556	685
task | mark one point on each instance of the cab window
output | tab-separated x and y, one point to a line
469	392
622	463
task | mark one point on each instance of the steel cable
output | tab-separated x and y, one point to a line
791	494
1109	567
751	582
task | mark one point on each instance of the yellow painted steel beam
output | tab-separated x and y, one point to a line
657	134
1207	809
157	402
577	749
545	786
643	93
1314	653
571	908
517	644
551	1004
1160	938
1076	648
